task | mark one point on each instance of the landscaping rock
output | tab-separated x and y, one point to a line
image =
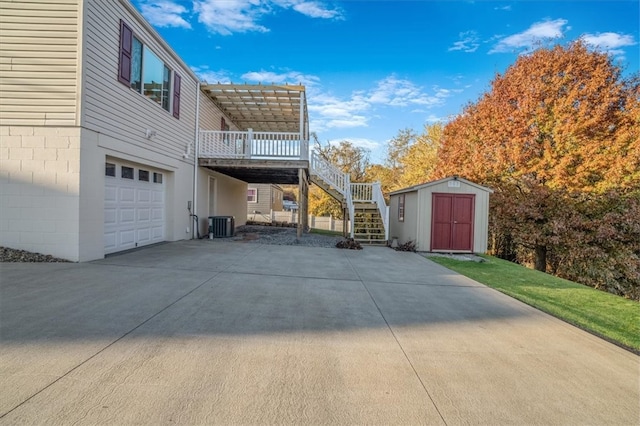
10	255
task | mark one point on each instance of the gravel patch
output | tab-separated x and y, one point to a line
9	255
281	236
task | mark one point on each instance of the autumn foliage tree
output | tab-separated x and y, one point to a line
558	137
411	159
349	158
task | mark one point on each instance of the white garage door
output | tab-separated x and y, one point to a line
134	206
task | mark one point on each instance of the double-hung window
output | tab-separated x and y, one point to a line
146	73
252	195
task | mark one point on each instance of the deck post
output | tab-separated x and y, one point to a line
303	202
248	143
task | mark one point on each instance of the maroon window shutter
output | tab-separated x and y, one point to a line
223	124
176	95
126	43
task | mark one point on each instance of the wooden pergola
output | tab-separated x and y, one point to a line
272	108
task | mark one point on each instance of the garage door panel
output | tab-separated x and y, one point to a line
110	216
127	238
127	215
158	197
110	241
157	233
144	215
144	196
144	236
157	214
126	195
110	193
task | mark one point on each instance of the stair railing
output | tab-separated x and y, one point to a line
378	198
352	210
329	173
362	192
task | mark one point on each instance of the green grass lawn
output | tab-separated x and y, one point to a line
325	232
604	314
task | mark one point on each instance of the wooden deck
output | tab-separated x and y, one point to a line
284	172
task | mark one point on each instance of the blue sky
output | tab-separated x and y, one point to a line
372	67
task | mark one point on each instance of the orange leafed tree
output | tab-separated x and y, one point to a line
559	125
561	117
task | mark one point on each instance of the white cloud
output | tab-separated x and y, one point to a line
290	77
469	42
431	118
358	142
609	42
396	92
536	33
312	9
507	8
212	77
241	16
164	13
230	16
330	112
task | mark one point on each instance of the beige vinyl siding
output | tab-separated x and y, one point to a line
39	62
264	198
211	116
116	110
405	231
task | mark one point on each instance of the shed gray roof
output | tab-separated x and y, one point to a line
436	182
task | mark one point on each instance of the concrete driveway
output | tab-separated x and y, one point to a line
216	332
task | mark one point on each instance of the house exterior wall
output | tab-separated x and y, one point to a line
228	197
404	231
269	198
211	116
40	189
64	113
117	118
39	60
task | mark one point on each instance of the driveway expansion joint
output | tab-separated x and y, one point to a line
395	337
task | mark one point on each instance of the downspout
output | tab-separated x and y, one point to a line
196	148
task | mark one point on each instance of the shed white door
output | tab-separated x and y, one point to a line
134	206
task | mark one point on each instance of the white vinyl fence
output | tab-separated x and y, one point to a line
326	223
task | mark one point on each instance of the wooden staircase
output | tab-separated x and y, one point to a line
368	224
328	188
364	202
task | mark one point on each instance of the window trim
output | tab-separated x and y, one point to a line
141	172
127	168
401	207
255	197
125	63
107	168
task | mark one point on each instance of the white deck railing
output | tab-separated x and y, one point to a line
372	193
362	192
329	173
252	145
378	198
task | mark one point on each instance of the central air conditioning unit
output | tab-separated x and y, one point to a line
221	226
